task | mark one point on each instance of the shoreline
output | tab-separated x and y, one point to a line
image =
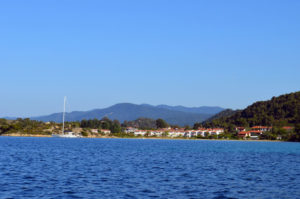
153	138
24	135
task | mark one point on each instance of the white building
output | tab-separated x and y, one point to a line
105	131
94	130
130	130
140	133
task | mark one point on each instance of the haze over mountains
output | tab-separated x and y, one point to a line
125	111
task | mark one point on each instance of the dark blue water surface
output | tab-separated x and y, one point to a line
143	168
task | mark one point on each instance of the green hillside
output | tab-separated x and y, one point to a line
279	111
222	114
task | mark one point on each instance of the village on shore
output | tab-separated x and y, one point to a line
107	128
253	133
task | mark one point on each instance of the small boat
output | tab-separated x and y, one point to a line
65	134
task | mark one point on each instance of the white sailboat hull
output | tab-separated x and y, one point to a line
64	136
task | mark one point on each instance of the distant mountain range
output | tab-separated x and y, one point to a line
125	111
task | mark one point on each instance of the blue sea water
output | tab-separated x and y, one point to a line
144	168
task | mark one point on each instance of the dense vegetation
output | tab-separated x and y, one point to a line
26	126
104	123
146	123
222	114
277	112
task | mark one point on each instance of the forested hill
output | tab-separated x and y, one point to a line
278	111
222	114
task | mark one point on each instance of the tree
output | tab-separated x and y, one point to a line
160	123
231	128
187	127
84	133
83	124
175	126
4	128
106	119
297	128
197	126
115	127
105	125
296	135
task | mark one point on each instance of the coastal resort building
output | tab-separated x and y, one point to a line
254	135
240	128
105	131
262	128
288	128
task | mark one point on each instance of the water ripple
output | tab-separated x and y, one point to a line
133	168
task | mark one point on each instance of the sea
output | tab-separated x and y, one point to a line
147	168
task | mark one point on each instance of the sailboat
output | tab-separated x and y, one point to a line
65	134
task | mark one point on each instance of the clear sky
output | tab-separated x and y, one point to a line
191	53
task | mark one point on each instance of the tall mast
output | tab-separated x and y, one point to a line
63	127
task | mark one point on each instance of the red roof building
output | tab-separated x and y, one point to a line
288	128
262	128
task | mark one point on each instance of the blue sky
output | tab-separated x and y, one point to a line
191	53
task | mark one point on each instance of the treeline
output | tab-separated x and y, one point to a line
115	126
24	126
146	123
28	126
105	123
